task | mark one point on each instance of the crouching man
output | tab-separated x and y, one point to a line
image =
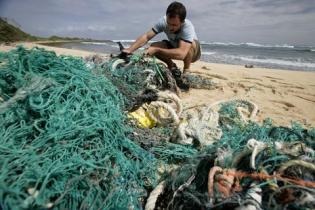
182	43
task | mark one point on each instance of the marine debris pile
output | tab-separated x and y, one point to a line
113	134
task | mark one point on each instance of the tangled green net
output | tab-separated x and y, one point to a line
63	137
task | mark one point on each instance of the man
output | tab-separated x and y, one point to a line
182	44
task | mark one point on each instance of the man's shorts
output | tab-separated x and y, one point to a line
195	49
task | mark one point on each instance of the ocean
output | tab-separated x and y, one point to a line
268	56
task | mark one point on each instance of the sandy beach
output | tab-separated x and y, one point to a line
281	95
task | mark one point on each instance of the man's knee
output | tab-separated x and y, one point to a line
194	52
190	54
160	44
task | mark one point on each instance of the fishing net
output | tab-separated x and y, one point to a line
63	137
67	143
252	166
137	77
200	82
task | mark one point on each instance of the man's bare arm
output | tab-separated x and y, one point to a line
142	40
177	53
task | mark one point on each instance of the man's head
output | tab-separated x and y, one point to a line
175	16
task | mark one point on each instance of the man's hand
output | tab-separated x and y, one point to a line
151	51
126	50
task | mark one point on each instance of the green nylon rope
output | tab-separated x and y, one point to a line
65	137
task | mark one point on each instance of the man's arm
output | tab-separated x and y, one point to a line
142	40
176	53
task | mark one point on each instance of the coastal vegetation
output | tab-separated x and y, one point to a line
10	32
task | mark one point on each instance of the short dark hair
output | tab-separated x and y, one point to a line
176	8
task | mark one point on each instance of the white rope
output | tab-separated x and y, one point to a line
155	105
256	147
151	201
253	107
253	199
202	126
181	129
296	163
180	189
150	76
116	63
294	149
182	133
164	95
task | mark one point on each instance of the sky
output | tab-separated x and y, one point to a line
237	21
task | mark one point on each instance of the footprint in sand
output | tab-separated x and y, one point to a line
264	85
273	77
286	104
209	75
251	78
293	86
306	98
206	68
287	85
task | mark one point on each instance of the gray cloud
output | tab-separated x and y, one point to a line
261	21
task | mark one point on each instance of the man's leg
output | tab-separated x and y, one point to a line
171	65
165	59
192	55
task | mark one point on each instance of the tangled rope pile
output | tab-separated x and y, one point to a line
64	135
135	76
201	126
64	139
251	167
66	142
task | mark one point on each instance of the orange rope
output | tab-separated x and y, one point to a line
212	172
227	184
228	174
263	176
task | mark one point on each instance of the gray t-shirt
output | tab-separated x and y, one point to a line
186	33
